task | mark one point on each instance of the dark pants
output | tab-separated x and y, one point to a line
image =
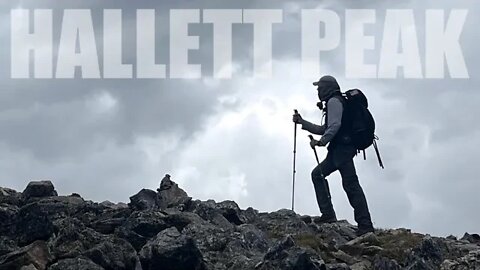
341	158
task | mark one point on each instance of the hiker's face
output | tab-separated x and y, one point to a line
320	91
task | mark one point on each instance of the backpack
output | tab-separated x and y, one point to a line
361	122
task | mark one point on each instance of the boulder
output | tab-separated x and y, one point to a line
471	238
10	196
75	264
146	223
36	254
143	200
429	255
39	189
73	238
35	220
7	245
113	253
170	250
286	255
170	195
383	263
8	215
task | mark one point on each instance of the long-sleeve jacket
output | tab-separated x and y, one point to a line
334	122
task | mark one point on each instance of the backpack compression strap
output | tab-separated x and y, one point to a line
380	162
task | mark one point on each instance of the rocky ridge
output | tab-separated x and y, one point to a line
167	229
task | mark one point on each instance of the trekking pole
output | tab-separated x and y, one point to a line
314	150
327	187
294	159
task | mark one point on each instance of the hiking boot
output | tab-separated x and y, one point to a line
364	230
325	219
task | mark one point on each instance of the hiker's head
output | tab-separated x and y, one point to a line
326	86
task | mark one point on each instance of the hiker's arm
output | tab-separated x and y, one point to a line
312	128
335	111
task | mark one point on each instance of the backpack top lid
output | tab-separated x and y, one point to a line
356	96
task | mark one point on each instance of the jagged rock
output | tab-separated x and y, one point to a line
363	245
73	238
114	254
10	196
178	233
452	237
382	263
231	211
39	189
7	245
207	236
140	226
36	254
146	223
285	255
8	214
344	257
253	238
363	265
306	219
108	225
170	195
144	199
111	219
75	264
114	206
180	220
210	211
29	267
338	266
470	261
135	239
35	219
280	223
429	255
471	238
249	215
171	250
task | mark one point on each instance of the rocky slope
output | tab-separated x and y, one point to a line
166	229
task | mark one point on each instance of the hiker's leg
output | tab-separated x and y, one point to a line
355	194
320	184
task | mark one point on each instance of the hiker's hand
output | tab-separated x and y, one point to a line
321	143
297	118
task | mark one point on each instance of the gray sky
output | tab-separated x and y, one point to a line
233	139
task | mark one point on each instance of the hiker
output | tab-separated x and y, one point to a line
340	156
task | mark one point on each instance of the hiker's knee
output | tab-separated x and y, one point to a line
351	184
317	173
